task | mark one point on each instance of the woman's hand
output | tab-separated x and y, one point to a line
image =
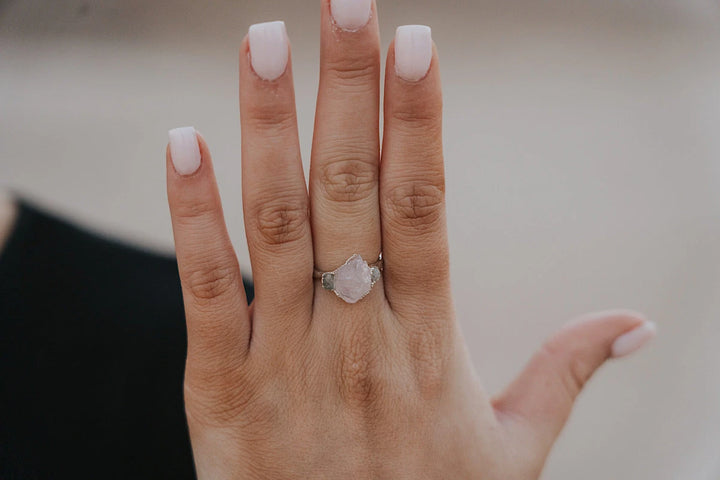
302	384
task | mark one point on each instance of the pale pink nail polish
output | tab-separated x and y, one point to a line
351	15
268	49
184	150
413	52
633	340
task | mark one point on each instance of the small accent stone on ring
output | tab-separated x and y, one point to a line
374	274
328	280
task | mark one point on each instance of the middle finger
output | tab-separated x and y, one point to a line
344	167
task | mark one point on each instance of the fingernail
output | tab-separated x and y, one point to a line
268	49
633	340
413	52
351	14
184	150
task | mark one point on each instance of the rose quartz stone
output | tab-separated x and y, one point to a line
352	280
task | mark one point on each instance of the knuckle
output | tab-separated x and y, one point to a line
418	204
349	178
358	358
425	114
360	70
578	374
197	210
280	223
571	370
209	281
272	120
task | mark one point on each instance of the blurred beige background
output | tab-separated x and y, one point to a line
583	166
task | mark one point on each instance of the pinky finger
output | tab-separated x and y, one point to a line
215	305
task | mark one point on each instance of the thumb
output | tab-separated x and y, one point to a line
544	393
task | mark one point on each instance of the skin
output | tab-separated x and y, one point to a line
300	384
8	213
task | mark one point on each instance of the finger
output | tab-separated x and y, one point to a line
274	193
215	306
544	393
412	180
344	167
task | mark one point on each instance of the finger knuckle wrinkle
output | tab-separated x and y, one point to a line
282	222
270	119
418	204
578	374
573	372
209	281
360	70
349	179
192	211
423	114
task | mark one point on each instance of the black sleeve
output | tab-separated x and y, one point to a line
92	353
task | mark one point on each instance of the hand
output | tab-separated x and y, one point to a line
301	384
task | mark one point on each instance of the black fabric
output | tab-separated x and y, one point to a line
92	352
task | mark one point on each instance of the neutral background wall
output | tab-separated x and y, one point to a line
583	169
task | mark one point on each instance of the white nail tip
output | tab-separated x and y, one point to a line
351	14
633	340
184	150
268	49
413	52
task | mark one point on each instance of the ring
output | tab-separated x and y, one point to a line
353	280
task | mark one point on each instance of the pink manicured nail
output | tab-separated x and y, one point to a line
413	52
184	150
633	340
351	14
268	49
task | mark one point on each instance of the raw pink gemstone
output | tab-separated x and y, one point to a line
352	280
